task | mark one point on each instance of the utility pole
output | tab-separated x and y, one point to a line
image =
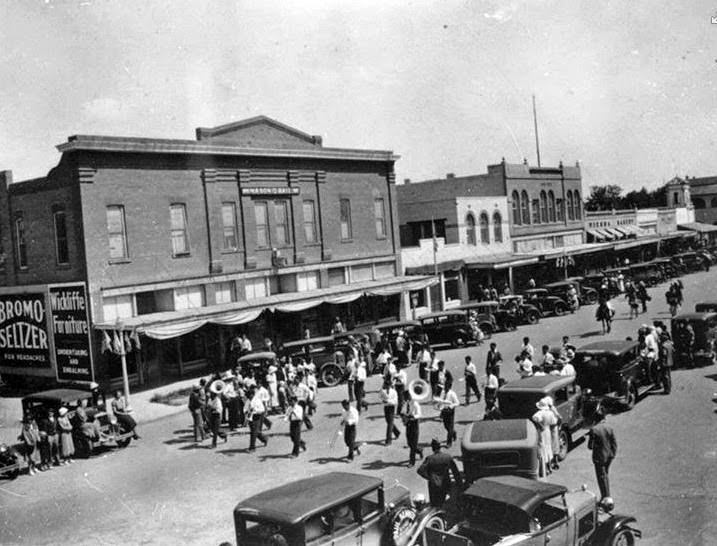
535	123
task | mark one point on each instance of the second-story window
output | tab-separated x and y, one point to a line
515	199
571	214
229	226
116	232
379	213
261	217
345	219
62	252
309	221
484	228
178	229
560	210
20	243
576	205
470	229
551	206
525	207
536	211
497	227
543	207
281	227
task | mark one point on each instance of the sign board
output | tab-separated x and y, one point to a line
71	332
24	340
271	191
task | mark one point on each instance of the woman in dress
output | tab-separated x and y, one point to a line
30	438
67	446
544	419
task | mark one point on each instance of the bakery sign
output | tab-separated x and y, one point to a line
24	339
277	190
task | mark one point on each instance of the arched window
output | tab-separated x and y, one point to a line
535	206
484	228
525	207
577	205
497	227
516	208
543	207
470	229
551	206
713	203
570	205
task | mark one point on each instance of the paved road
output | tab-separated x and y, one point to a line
164	490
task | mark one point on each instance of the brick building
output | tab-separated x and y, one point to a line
253	226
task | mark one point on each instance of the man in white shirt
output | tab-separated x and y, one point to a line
527	348
351	375
424	362
215	408
400	382
383	358
491	388
568	370
470	374
350	419
411	420
245	344
302	392
548	359
256	422
389	398
525	365
448	402
295	415
359	391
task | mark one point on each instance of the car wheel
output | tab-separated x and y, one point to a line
592	298
331	375
631	397
559	310
533	318
622	537
436	522
564	444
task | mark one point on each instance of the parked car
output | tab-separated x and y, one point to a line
331	509
706	306
616	374
330	362
525	313
704	349
546	302
517	399
256	364
10	462
491	317
708	255
648	272
667	267
586	295
113	432
496	448
688	262
448	327
411	328
595	281
512	510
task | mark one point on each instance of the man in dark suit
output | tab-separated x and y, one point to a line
437	469
604	447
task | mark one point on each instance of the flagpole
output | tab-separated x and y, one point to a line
123	359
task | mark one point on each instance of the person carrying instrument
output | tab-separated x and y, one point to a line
214	410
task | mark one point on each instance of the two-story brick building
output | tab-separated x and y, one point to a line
253	225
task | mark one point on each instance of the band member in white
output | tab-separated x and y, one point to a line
447	403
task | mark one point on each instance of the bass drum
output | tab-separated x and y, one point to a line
420	391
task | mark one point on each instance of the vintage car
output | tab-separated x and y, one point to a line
595	281
666	267
448	327
10	462
112	432
411	328
256	364
688	262
616	375
512	511
706	306
496	448
366	336
524	313
331	509
330	362
517	400
704	349
586	295
547	303
648	272
491	317
708	255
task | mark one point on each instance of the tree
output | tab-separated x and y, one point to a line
604	197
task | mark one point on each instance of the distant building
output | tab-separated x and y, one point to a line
253	227
698	196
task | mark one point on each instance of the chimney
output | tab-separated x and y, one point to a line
406	180
450	175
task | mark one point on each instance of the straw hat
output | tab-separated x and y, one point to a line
543	404
62	411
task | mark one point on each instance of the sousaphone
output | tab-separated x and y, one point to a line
420	390
218	386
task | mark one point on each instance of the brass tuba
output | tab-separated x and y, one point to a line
218	386
420	390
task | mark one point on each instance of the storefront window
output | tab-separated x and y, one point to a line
193	346
451	280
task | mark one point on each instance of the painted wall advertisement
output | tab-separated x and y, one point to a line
24	339
71	332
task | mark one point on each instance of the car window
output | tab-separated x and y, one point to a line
550	512
345	515
586	524
561	395
369	504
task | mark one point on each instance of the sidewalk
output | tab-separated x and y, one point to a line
144	411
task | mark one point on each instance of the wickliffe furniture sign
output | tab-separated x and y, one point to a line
46	327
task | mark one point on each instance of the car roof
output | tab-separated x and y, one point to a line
523	493
495	434
260	355
396	324
537	383
558	283
302	342
290	503
477	304
58	395
451	312
696	316
612	346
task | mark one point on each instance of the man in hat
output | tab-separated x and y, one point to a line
602	442
470	374
410	420
350	419
359	389
439	470
195	407
447	403
568	370
257	410
214	410
295	415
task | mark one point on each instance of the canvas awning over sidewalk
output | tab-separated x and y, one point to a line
699	227
171	324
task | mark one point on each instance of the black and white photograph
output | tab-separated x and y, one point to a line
368	273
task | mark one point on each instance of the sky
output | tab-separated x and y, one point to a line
626	88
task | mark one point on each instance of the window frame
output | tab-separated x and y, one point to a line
484	225
20	242
497	226
515	198
233	227
122	233
55	215
525	207
282	229
471	238
535	210
379	205
310	223
577	208
552	216
345	208
543	197
184	230
569	206
265	226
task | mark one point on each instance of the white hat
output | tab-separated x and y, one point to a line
94	385
543	403
272	369
62	411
